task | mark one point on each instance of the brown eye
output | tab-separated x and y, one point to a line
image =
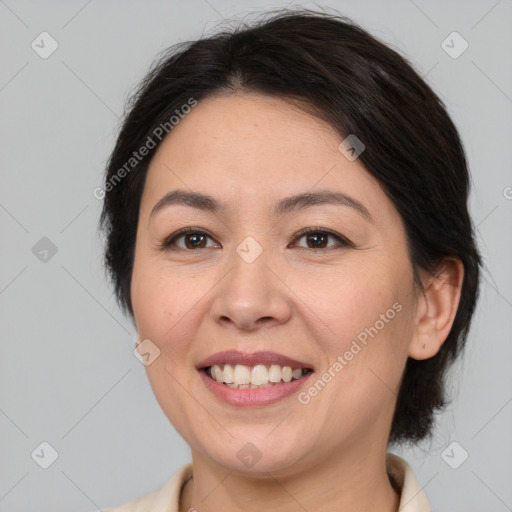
319	239
193	239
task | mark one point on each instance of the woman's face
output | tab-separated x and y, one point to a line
250	281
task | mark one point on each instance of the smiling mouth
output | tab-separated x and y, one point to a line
240	376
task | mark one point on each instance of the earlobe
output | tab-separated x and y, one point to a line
436	309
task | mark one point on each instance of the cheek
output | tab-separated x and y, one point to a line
159	299
361	320
165	313
168	308
347	301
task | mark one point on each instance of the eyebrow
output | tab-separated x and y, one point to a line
292	203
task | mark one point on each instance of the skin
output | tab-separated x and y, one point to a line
250	151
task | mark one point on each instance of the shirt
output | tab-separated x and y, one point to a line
167	498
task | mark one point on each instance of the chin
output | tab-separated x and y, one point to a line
258	457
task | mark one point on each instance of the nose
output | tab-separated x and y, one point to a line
251	295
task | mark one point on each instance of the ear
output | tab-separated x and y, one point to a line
436	309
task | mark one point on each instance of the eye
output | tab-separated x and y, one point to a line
193	238
319	239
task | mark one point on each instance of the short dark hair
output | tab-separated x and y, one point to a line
335	70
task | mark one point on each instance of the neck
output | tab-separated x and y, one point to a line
342	482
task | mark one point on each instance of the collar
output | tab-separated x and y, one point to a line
412	497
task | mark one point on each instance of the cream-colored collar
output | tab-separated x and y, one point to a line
412	497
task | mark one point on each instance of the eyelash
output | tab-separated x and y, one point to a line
169	241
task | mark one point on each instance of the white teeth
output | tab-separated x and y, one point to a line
274	374
218	374
296	374
229	374
242	375
258	376
286	374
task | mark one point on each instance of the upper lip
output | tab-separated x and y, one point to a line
234	357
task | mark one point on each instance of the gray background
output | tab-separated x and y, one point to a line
67	372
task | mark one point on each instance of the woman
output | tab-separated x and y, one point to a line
286	223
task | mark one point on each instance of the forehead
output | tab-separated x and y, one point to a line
245	128
254	147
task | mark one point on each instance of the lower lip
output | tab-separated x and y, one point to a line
253	396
